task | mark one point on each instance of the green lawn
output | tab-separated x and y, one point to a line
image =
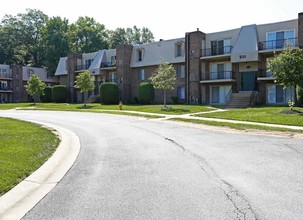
24	147
272	115
172	110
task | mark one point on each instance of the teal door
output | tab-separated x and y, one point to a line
248	81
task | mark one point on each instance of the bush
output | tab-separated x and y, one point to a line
109	93
299	91
175	99
146	93
59	93
47	97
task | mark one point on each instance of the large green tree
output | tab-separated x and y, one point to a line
87	35
56	42
22	37
35	87
287	67
164	78
85	82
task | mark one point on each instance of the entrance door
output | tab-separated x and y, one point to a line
248	80
215	95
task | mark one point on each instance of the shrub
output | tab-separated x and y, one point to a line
146	93
109	93
175	99
299	91
59	93
47	97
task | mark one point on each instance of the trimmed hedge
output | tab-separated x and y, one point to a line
109	93
146	93
47	97
59	93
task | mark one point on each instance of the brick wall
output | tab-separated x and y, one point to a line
300	29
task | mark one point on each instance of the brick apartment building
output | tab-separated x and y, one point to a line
227	67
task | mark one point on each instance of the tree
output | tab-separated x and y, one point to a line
21	37
85	82
87	35
287	67
117	37
35	87
137	36
55	41
164	78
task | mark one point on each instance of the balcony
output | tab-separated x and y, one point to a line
222	76
108	64
6	75
82	67
216	51
6	89
278	44
264	75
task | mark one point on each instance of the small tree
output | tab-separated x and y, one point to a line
164	78
35	87
287	67
85	82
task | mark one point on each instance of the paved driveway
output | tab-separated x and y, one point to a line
135	168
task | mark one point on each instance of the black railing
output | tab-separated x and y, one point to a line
278	44
217	75
265	74
5	88
108	64
216	51
82	67
6	75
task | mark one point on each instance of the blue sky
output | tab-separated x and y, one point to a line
166	19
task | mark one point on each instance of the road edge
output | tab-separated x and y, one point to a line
24	196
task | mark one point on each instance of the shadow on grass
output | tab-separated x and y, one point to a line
176	110
85	107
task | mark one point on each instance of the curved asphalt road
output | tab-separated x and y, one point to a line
134	168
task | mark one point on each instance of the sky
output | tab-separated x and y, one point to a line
166	19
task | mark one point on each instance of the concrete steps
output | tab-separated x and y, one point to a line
239	100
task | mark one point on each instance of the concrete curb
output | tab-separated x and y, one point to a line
23	197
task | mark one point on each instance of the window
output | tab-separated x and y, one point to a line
88	63
181	92
139	54
279	39
179	48
141	74
180	71
112	77
220	47
113	60
276	94
220	71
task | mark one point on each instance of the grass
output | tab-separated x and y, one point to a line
24	147
172	110
271	115
236	126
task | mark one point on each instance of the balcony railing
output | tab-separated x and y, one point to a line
216	51
5	88
217	75
6	75
108	64
82	67
278	44
265	74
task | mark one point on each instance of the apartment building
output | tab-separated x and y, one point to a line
227	67
13	78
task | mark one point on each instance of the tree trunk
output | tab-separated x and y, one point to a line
164	98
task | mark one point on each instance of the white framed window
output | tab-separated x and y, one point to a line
180	70
113	60
219	47
181	92
277	94
141	74
221	70
140	54
218	94
88	62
